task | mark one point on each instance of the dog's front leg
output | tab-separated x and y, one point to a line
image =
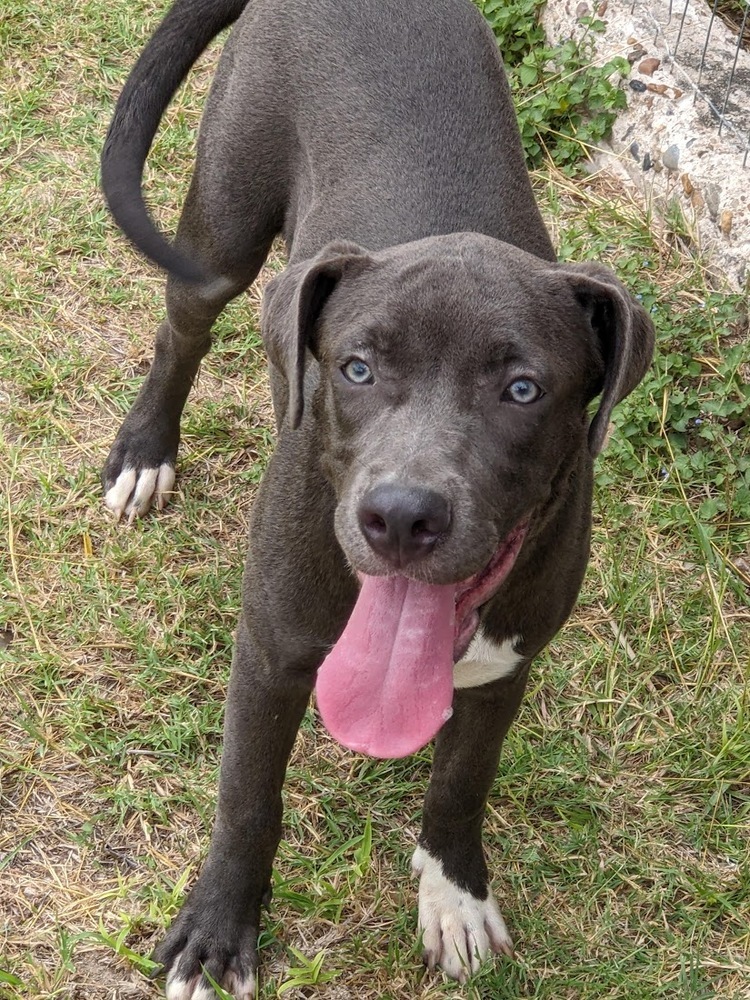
459	919
216	932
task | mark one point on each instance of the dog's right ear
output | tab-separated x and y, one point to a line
292	304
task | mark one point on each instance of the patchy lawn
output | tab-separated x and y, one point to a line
618	826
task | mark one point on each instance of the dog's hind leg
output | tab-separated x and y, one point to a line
231	241
459	919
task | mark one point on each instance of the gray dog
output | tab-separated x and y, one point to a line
423	527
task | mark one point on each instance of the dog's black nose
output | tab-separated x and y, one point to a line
402	524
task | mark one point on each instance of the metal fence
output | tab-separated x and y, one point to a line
711	56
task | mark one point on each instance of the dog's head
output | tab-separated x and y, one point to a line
455	376
453	380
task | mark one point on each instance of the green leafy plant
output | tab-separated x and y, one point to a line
309	972
694	430
564	102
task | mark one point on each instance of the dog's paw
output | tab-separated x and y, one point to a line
139	472
458	930
134	491
201	947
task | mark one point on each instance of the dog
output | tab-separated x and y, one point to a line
422	529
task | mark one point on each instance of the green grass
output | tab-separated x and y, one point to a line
618	827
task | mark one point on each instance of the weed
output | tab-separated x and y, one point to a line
565	103
695	432
309	972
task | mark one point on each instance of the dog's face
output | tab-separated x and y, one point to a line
455	374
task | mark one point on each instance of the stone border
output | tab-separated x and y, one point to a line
667	141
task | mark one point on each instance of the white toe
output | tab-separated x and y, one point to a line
117	496
142	494
204	992
134	493
164	485
196	988
241	988
181	989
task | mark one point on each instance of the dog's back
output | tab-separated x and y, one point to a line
378	121
403	124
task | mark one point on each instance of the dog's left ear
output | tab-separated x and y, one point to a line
292	304
625	334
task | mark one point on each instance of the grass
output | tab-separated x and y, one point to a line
734	15
618	827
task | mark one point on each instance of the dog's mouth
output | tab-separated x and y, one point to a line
386	687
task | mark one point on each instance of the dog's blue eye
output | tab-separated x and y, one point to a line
523	390
358	372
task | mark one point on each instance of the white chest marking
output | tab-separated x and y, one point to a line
485	661
458	930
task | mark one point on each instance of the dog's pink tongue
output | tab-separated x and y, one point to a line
386	687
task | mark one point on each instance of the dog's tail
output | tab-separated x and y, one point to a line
181	37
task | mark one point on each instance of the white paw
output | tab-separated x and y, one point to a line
196	988
133	492
458	930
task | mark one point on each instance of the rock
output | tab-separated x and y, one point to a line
671	157
677	93
582	10
601	10
725	222
687	184
657	88
649	66
638	86
635	151
711	195
637	53
647	162
696	200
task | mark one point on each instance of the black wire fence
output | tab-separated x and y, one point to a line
708	41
